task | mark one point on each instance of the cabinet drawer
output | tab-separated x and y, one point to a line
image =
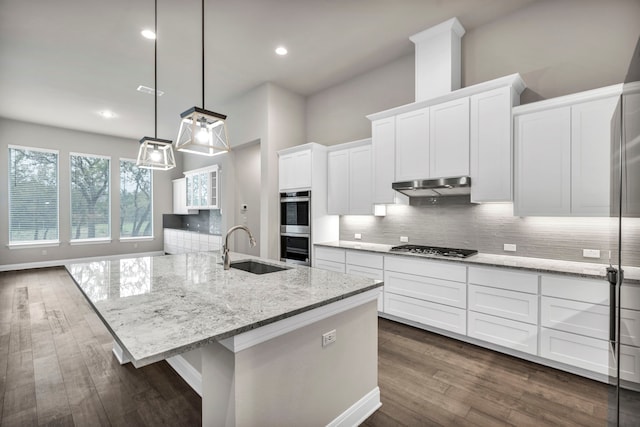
630	363
578	289
576	317
427	288
507	333
630	296
630	327
437	315
439	270
371	273
502	303
338	267
364	259
330	254
503	279
576	350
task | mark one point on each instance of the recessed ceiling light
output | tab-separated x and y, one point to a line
106	114
281	50
148	34
148	90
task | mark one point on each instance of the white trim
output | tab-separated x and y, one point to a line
313	146
137	239
99	156
63	262
123	359
351	144
187	372
268	332
359	411
34	244
202	170
43	150
574	98
90	241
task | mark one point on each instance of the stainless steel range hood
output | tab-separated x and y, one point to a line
457	186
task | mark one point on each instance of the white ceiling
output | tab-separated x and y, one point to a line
63	61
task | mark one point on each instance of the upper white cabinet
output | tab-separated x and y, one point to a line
490	144
202	187
449	139
294	171
383	136
631	153
465	132
563	155
412	145
180	197
349	179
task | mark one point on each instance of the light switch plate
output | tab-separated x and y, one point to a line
404	239
357	236
508	247
591	253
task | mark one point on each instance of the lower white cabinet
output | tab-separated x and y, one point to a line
427	288
630	363
181	241
369	265
427	313
512	305
507	333
329	254
576	350
576	317
322	264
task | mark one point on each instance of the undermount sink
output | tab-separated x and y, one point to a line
256	267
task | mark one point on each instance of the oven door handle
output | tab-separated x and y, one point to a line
302	235
293	199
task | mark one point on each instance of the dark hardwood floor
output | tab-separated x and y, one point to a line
56	368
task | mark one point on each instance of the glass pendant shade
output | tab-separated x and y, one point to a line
156	154
202	132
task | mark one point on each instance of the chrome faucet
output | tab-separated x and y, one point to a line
225	247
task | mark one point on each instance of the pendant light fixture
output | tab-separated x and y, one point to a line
155	153
202	131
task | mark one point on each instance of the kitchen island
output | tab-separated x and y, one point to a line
264	358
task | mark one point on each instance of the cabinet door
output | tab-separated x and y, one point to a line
543	163
507	333
449	139
630	187
383	134
180	196
412	145
285	171
437	315
338	182
491	153
294	171
591	138
212	196
360	187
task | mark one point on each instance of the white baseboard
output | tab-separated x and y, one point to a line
187	372
63	262
359	411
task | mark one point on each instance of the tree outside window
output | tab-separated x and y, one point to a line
135	200
90	197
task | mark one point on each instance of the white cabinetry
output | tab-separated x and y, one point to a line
332	259
181	241
369	265
491	148
449	139
349	179
503	308
427	292
412	145
180	197
563	155
202	187
383	137
295	170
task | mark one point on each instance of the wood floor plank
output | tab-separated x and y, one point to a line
51	401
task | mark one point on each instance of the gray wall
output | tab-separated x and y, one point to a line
65	141
454	222
247	160
558	46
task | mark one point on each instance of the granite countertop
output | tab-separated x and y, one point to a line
540	265
157	307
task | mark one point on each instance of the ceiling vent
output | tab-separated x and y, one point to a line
438	59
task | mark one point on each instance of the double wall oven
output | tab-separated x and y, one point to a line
295	227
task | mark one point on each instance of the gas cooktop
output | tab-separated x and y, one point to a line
434	250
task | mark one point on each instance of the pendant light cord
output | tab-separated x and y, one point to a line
155	71
202	54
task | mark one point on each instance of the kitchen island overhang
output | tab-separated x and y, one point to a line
260	335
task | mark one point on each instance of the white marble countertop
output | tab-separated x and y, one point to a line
540	265
157	307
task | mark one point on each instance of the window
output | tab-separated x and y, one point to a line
90	197
135	200
33	195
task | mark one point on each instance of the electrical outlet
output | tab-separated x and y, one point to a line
329	338
357	236
508	247
591	253
404	239
44	252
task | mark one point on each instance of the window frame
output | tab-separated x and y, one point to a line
136	238
26	244
92	240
